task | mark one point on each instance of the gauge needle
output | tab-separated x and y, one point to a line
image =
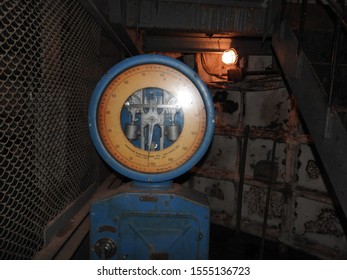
150	136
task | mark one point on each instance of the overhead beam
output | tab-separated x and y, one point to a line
160	43
234	3
241	17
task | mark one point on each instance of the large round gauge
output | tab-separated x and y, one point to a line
151	118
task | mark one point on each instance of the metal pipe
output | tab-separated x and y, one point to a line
282	17
242	177
303	14
283	10
334	54
267	201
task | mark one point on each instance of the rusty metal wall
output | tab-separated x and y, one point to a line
302	211
52	54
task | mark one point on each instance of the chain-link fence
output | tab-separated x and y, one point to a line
51	57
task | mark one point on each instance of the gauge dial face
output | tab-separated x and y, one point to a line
151	118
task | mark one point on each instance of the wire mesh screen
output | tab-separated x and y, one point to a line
50	62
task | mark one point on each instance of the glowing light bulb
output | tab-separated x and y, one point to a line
230	57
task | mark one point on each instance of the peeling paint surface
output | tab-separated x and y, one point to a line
222	154
312	169
301	210
268	109
309	174
258	159
219	193
254	199
325	223
317	227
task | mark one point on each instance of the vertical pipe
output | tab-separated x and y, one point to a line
283	10
267	201
241	180
334	53
302	25
282	17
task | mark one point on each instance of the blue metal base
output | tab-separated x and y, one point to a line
150	224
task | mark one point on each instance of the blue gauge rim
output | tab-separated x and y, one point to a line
117	70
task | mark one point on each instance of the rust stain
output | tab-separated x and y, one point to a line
326	223
215	191
261	133
106	228
262	170
312	170
255	200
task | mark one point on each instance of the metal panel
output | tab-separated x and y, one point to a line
188	43
151	224
298	182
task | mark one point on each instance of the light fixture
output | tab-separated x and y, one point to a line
229	57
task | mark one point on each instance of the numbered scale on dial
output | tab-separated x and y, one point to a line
151	118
